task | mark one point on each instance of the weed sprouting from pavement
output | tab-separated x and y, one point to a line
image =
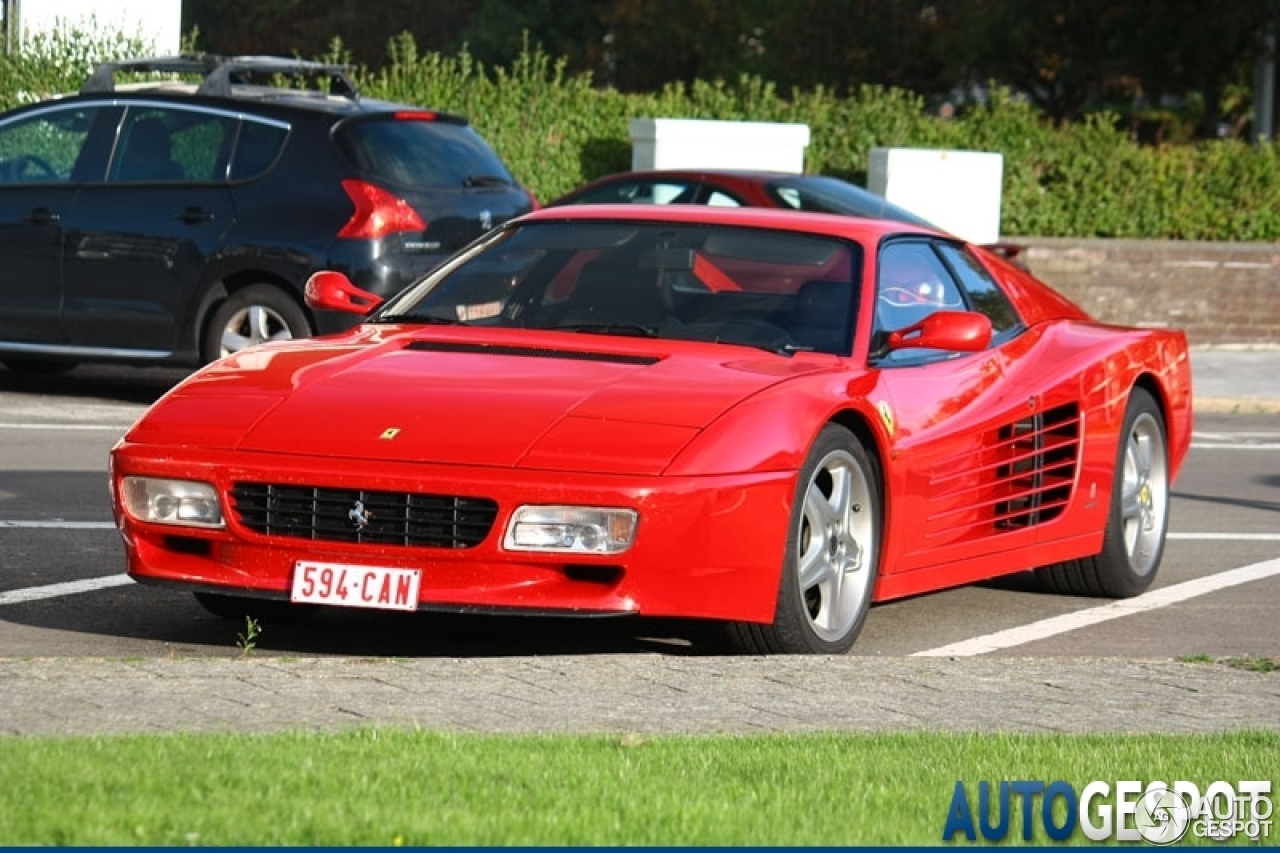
1253	663
247	640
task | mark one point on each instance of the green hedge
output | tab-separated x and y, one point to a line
1080	180
1086	179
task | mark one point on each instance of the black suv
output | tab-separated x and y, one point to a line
171	222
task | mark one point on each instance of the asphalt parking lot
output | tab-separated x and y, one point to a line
128	659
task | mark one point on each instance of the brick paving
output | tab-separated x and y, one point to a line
641	693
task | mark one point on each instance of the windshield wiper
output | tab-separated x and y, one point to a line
424	319
485	181
775	348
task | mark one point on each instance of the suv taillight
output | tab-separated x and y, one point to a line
378	213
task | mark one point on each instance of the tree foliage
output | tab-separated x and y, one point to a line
557	128
1068	56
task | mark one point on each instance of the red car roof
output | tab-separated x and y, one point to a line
758	217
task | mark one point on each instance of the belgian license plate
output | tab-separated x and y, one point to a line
355	586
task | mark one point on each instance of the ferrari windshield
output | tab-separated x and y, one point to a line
778	290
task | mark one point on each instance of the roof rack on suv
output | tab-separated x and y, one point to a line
221	72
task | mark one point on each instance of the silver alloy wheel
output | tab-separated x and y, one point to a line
253	324
836	546
1144	497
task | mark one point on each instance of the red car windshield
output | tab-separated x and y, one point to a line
779	291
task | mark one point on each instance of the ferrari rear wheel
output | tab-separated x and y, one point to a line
1139	515
829	568
236	608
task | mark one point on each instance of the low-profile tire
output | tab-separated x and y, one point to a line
235	608
1138	518
252	315
833	550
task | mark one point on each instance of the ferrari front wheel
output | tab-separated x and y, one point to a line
832	552
1138	517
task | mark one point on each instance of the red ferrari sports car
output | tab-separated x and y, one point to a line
768	419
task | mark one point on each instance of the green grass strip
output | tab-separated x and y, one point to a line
396	786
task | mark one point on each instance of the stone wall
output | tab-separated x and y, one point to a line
1221	294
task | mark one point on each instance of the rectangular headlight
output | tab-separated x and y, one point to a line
181	502
571	529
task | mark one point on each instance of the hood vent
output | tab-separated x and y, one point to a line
531	352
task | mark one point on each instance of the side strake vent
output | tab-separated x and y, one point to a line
1042	454
531	352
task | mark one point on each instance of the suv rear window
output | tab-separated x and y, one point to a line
421	153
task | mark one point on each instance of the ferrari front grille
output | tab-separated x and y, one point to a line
367	517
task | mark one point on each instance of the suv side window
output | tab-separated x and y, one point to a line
165	145
44	148
257	148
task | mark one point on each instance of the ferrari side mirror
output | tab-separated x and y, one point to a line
333	291
959	331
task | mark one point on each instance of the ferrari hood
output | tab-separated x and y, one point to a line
455	401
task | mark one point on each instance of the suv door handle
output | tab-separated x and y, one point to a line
193	215
42	216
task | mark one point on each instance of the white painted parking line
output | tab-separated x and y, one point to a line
1236	440
56	590
1227	537
59	524
49	427
1199	445
1055	625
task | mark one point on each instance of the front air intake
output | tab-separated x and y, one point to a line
363	516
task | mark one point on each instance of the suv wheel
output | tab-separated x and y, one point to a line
252	315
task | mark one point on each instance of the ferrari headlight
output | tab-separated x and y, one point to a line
571	529
182	502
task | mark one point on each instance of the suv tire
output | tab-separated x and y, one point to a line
252	315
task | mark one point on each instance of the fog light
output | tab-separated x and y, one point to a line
571	529
180	502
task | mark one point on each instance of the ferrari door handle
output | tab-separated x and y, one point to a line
194	215
42	216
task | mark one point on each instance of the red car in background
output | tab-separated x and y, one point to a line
749	188
763	418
